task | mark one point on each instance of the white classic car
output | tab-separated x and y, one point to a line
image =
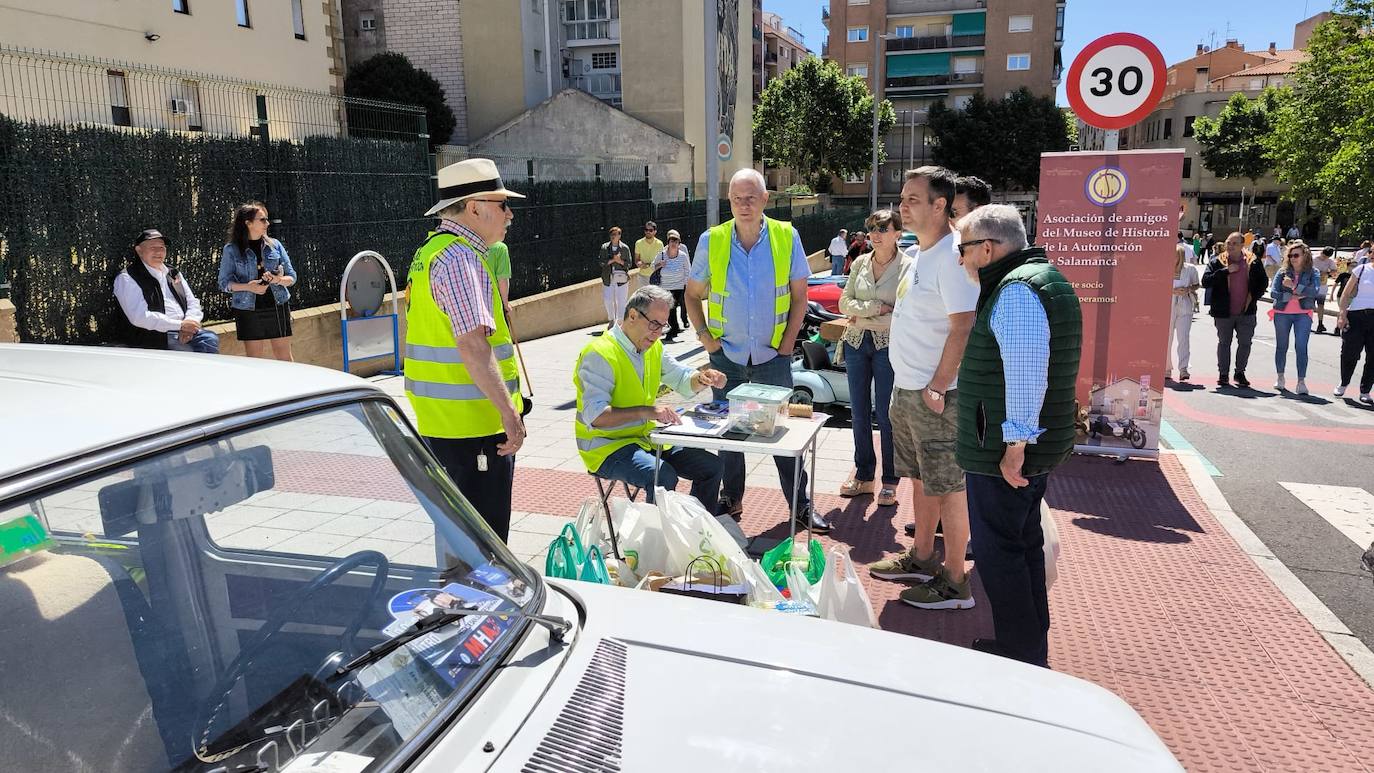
222	564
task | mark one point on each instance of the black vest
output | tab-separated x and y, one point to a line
982	382
136	336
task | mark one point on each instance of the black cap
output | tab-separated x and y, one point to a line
152	233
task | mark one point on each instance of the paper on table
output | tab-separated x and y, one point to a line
693	424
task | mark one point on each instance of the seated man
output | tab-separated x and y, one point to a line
617	379
162	311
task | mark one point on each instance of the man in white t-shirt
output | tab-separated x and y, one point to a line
838	249
1273	256
931	321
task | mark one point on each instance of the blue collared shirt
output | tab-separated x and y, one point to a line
598	377
1023	334
749	315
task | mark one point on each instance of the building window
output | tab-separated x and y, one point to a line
244	21
367	22
604	60
965	64
1018	61
858	2
181	6
1188	125
1020	23
858	34
589	19
297	19
185	105
905	31
961	101
857	70
1168	128
1187	167
119	98
538	60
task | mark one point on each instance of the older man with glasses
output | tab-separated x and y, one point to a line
617	378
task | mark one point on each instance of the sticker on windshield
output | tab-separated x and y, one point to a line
328	762
22	537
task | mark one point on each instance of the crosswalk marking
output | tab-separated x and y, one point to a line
1348	508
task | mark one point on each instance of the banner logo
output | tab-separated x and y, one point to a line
1106	186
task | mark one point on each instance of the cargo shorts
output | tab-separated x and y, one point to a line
923	442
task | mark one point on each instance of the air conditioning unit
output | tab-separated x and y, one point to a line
180	106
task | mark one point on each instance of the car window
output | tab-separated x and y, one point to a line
203	601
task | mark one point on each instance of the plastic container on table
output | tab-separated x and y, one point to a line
758	408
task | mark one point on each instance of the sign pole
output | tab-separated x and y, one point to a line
711	138
1110	142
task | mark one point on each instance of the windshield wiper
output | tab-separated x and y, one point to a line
557	626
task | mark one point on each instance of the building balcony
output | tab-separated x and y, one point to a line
907	7
825	14
825	49
935	81
770	58
935	42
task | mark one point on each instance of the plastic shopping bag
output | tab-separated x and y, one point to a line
777	559
799	587
641	540
1052	548
690	533
565	556
844	599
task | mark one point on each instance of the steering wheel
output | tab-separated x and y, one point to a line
218	697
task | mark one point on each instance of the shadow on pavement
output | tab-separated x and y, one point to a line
1131	501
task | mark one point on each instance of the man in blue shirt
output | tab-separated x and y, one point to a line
745	334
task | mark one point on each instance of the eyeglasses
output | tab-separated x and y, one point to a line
505	207
261	220
965	245
882	229
654	325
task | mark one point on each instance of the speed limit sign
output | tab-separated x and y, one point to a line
1116	81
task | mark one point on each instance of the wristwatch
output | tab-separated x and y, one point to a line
1016	444
934	395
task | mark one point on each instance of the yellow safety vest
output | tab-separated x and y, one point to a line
718	254
595	444
447	402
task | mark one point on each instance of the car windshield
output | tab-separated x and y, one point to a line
191	610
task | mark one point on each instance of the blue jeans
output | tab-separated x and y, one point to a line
776	372
1005	525
836	265
635	466
868	366
1300	325
203	342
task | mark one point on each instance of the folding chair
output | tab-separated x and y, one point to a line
605	488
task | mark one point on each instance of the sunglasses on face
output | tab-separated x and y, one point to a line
498	202
673	239
965	245
881	229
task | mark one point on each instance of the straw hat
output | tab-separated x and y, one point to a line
468	178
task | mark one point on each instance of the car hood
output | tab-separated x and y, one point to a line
666	683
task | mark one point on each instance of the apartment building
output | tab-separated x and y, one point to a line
917	52
783	48
1201	86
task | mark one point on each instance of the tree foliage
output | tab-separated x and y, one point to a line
818	122
1071	126
391	77
1234	143
999	140
1322	142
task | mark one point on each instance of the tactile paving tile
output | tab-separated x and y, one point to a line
1190	722
1284	734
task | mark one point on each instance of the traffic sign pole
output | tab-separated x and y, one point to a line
1110	142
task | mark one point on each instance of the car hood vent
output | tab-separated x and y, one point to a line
587	736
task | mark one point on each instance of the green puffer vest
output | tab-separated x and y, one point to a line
982	384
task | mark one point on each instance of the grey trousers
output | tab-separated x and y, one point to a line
1242	328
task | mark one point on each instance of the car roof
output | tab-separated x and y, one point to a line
63	401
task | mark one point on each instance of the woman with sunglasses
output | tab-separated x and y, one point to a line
867	300
256	271
1294	290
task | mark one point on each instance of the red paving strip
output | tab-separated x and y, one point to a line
1155	602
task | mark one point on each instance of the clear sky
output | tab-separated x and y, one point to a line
1176	26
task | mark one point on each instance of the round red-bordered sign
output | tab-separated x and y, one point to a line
1124	83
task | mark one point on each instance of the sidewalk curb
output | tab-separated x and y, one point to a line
1342	640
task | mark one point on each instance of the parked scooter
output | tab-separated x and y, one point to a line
1126	429
816	315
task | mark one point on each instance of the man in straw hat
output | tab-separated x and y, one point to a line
460	366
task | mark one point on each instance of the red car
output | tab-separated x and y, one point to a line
826	292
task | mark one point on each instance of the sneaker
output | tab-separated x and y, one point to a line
1339	391
1241	380
1223	381
1366	399
1279	386
1301	388
1321	328
1183	375
905	567
939	592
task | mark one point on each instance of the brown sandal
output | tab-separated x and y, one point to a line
854	487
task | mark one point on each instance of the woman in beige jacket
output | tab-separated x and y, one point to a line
868	298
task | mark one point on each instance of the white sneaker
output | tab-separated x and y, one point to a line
1301	388
1366	399
1278	383
1339	391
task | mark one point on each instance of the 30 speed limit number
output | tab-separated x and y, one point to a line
1116	81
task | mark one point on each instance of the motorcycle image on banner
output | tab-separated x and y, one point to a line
1109	221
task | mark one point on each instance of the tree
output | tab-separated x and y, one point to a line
1322	143
1233	143
391	77
999	140
818	122
1071	126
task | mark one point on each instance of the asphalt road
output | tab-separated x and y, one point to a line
1258	439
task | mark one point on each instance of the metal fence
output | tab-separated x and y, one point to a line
93	151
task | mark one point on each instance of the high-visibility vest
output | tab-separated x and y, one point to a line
447	402
595	444
718	253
